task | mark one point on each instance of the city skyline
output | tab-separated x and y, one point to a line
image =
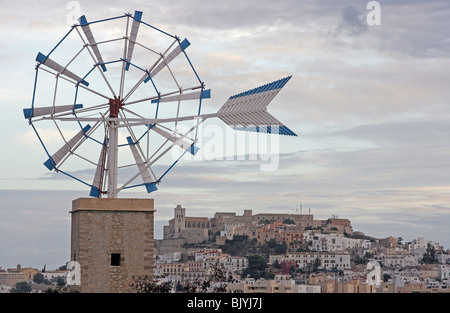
367	101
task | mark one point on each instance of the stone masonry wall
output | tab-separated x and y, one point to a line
114	226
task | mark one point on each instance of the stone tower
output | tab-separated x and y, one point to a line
179	221
112	240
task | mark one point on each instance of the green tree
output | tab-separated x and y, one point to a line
429	256
239	245
292	270
273	247
38	278
316	264
179	287
21	287
276	264
60	281
256	268
269	275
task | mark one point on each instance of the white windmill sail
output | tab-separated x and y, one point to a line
29	113
62	152
41	58
182	143
90	37
143	168
204	94
99	173
166	60
133	35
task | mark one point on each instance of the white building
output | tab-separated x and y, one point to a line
421	243
230	229
444	271
51	275
5	289
443	258
235	264
207	253
326	260
418	253
168	257
408	279
334	242
307	289
396	260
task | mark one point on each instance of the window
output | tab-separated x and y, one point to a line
115	259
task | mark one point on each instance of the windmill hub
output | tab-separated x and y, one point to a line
114	106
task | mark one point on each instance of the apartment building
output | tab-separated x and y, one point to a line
422	244
396	260
201	268
334	242
444	271
204	254
235	263
443	258
291	235
272	286
174	271
260	233
323	260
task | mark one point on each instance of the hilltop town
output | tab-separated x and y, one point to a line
274	253
269	252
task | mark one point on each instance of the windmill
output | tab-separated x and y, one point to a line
115	103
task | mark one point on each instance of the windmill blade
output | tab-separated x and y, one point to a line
33	112
41	58
204	94
88	33
97	184
184	144
143	168
247	111
133	35
166	60
62	152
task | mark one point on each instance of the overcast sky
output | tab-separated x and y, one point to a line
369	103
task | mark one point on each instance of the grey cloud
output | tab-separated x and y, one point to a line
353	22
415	29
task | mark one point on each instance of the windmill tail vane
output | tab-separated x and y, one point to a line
107	113
247	111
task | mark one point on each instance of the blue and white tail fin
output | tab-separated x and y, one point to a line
247	111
